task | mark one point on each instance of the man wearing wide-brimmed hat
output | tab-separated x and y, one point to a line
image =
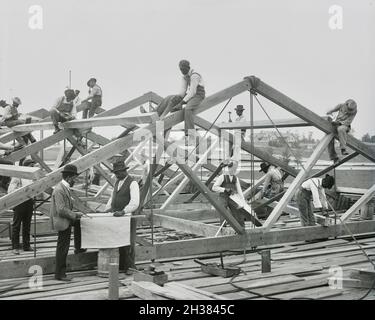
273	183
94	100
63	218
22	212
11	118
342	125
125	201
64	109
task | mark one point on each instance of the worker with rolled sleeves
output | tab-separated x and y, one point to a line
273	183
312	193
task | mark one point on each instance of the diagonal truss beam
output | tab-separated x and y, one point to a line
306	114
359	203
301	177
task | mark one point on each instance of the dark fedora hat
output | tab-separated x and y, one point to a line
70	168
239	107
91	79
119	166
27	162
264	167
3	103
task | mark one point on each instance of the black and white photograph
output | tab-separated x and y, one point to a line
208	153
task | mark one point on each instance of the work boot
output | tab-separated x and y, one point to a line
28	249
57	129
77	251
16	251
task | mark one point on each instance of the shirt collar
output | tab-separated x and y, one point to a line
65	183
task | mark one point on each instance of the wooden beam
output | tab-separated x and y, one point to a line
245	145
83	152
22	172
358	204
187	226
37	146
112	148
127	106
253	238
265	124
88	123
306	114
301	177
185	181
257	237
335	165
249	192
210	196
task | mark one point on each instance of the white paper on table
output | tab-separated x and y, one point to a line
104	231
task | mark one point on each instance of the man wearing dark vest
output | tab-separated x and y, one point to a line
193	93
125	201
63	218
64	109
228	184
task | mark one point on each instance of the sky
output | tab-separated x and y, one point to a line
133	47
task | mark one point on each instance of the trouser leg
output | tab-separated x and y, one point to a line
26	223
191	105
16	226
311	216
342	134
55	117
127	253
62	249
303	205
77	235
331	150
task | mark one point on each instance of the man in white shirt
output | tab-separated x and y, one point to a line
94	100
192	92
313	189
228	184
22	213
125	201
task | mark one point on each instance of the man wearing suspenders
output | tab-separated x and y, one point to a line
64	109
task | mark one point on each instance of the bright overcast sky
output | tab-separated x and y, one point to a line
133	47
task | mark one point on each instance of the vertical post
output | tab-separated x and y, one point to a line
252	177
266	261
113	289
42	150
34	212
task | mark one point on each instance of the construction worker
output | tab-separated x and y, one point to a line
342	125
63	217
313	189
192	92
273	183
125	201
94	100
11	118
240	118
64	109
22	213
228	184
